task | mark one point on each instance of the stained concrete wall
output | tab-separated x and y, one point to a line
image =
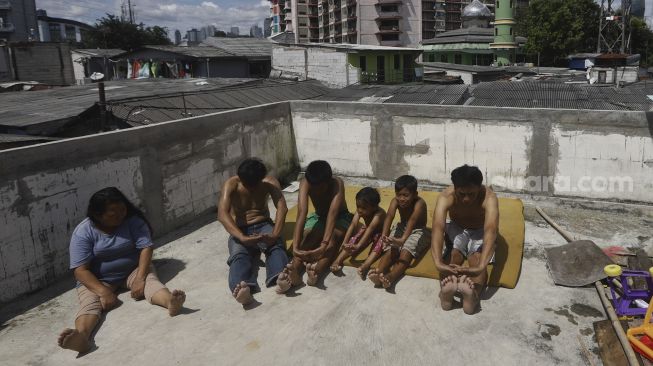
172	170
326	65
549	152
48	63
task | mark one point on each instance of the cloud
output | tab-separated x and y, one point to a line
182	15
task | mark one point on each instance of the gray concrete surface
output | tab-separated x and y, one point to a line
345	322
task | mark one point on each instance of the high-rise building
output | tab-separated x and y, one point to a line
177	37
193	35
235	31
638	8
277	16
267	27
202	34
256	31
18	20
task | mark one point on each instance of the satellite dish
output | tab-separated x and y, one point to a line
96	76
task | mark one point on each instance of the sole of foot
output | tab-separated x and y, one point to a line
311	279
283	282
176	302
73	340
243	294
375	277
448	288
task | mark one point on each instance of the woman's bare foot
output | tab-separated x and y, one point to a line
362	272
283	280
311	279
385	281
176	302
448	287
375	277
74	340
470	300
242	293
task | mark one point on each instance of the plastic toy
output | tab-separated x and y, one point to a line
627	301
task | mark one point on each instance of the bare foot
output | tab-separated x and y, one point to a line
311	279
283	280
335	268
176	302
74	340
375	277
242	293
295	278
362	272
385	282
448	287
470	300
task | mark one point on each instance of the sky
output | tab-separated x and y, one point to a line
181	14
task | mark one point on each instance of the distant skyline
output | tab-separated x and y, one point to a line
182	15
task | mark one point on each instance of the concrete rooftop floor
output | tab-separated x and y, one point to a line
345	322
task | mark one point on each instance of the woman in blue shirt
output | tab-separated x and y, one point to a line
112	249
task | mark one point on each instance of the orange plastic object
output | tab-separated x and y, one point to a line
641	338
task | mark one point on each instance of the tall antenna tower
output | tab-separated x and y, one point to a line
614	27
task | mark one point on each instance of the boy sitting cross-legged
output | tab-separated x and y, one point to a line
317	237
359	236
410	238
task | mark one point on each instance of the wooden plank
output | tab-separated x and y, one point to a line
610	350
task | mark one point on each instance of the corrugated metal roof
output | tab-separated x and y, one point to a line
242	47
144	111
194	51
100	52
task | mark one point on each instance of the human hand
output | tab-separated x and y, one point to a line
138	289
250	240
269	239
108	300
349	247
447	269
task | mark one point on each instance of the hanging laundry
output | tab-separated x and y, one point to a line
155	69
173	69
129	69
136	69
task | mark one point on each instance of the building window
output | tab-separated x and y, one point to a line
55	32
389	9
443	58
432	57
363	63
498	6
511	5
458	59
496	31
70	33
397	62
511	31
389	37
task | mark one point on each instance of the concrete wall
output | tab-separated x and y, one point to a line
548	152
323	64
172	170
48	63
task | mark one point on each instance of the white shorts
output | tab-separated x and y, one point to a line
467	241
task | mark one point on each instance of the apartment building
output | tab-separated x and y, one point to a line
18	20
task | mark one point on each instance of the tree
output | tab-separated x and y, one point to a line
220	33
112	32
558	28
642	40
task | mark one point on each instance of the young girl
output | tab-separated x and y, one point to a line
358	236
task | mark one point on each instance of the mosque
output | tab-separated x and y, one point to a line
485	39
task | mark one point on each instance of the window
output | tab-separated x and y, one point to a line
511	5
432	57
511	31
458	59
498	6
397	62
70	33
496	31
389	9
389	37
363	63
444	58
55	32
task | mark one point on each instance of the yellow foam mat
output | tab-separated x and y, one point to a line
509	249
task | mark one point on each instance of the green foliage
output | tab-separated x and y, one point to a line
642	40
220	33
558	28
112	32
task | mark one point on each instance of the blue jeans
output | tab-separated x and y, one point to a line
242	259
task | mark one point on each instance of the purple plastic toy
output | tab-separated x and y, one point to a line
623	296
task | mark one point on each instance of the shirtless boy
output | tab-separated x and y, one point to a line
472	231
243	211
317	238
410	238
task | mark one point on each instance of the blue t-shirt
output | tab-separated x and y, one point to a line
111	257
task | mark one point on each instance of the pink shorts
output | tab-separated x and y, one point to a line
377	243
